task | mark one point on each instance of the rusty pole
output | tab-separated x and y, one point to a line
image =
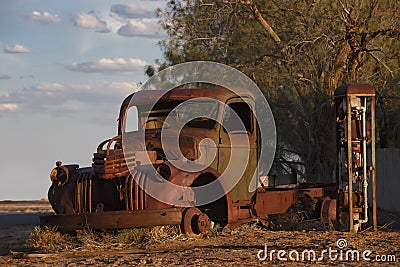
373	167
349	164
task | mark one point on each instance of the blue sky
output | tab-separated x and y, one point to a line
65	67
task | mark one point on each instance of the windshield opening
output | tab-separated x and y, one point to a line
141	117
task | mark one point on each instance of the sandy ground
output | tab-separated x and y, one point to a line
26	206
234	248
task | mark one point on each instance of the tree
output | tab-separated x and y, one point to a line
297	52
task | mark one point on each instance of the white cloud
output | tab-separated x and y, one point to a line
44	17
49	87
101	100
89	21
80	87
4	94
122	88
9	107
109	65
70	105
65	99
43	97
131	11
13	49
142	28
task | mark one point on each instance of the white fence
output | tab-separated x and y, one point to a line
388	179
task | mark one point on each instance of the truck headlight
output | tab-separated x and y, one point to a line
164	171
59	174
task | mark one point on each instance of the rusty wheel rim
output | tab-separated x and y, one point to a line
328	212
203	223
194	222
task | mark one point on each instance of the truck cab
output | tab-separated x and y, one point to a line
202	140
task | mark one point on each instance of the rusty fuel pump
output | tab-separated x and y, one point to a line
355	151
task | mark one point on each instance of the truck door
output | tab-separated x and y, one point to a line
247	151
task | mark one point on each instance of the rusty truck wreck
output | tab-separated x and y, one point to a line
111	194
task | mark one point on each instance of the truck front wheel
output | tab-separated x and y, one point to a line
194	222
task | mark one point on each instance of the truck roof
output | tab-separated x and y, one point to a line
220	93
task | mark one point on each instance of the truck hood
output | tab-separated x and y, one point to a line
193	143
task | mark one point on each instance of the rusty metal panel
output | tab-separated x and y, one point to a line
274	202
388	178
315	192
113	219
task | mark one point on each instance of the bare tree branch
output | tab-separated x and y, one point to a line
265	25
382	63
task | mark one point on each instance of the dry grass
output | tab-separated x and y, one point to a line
296	220
50	240
247	228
